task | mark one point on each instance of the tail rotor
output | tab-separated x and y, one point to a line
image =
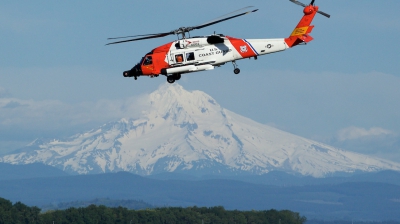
312	4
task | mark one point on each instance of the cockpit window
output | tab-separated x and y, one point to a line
148	60
190	56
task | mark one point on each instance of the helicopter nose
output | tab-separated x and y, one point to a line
131	73
134	72
126	74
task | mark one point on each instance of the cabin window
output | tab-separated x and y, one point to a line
148	60
179	58
190	56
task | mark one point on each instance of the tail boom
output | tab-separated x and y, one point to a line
301	33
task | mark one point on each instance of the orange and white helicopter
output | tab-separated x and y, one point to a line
194	54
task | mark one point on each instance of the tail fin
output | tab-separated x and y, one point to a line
300	33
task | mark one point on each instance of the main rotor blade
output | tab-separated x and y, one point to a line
143	38
183	30
226	17
142	35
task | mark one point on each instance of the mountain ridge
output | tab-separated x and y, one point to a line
189	132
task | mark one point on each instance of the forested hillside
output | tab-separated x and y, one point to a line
351	222
20	213
102	214
112	203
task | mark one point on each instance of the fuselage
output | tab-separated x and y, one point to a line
203	53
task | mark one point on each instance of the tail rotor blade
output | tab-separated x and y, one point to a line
324	14
312	3
298	3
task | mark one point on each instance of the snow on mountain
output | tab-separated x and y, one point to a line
190	132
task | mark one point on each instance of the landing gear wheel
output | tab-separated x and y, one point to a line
135	77
177	76
236	70
170	79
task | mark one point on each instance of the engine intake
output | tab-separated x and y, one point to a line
215	40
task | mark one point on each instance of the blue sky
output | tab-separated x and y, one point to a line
57	77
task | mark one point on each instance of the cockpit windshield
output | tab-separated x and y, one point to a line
141	61
148	60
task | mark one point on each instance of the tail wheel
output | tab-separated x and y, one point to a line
170	79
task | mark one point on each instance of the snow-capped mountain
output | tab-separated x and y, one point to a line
184	131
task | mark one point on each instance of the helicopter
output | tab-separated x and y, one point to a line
202	53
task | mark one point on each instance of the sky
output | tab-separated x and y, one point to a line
58	78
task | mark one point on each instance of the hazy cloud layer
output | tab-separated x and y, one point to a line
374	141
352	133
56	115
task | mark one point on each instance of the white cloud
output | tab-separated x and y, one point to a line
375	141
352	133
54	114
21	121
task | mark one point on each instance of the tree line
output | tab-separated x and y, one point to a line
20	213
351	222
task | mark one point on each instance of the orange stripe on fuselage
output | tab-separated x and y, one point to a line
244	49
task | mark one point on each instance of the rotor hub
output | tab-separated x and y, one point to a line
308	10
